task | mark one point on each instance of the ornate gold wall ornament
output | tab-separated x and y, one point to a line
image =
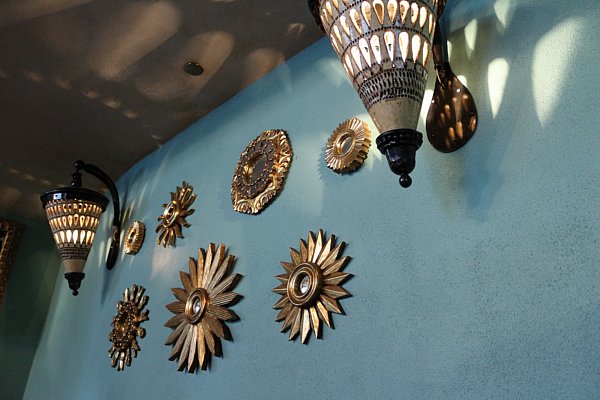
261	171
173	218
200	310
10	236
348	146
126	327
135	237
311	286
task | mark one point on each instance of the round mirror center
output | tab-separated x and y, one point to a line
254	168
345	143
131	237
170	213
304	284
196	306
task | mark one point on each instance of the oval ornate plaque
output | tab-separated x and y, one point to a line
261	171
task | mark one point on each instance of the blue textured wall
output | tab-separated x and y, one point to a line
481	281
25	306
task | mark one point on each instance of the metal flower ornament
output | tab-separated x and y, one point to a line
174	216
126	327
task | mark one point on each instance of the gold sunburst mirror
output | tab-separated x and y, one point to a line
261	171
173	217
348	146
126	327
134	237
201	309
311	286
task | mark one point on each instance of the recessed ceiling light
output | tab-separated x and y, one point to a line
193	68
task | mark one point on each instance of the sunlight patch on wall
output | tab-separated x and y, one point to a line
162	260
504	11
427	98
552	59
470	37
497	76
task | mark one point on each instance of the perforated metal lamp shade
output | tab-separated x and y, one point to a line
385	48
73	214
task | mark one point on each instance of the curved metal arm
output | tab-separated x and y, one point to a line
91	169
440	54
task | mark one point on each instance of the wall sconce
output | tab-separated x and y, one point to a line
73	214
385	47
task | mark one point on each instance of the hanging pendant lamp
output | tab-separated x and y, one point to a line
74	214
385	48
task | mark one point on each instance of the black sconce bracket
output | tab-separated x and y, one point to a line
91	169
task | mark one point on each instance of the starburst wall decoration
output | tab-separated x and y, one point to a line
310	286
173	217
348	146
126	327
201	309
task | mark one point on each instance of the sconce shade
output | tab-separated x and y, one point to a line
385	47
73	214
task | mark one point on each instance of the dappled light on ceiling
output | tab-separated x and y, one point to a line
168	82
135	31
111	103
131	114
497	75
32	75
295	29
113	71
259	62
63	83
9	196
90	93
17	11
553	56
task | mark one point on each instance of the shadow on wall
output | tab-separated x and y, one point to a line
24	309
512	81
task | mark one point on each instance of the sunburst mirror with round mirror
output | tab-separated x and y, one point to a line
173	218
134	238
201	309
348	146
311	286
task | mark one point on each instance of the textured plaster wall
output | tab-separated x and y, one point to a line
479	282
25	306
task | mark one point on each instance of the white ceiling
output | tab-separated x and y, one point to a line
103	80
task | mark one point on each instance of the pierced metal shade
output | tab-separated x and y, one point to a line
73	214
385	47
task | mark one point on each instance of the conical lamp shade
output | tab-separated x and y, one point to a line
385	47
73	214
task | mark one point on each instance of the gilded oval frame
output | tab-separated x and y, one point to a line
261	171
